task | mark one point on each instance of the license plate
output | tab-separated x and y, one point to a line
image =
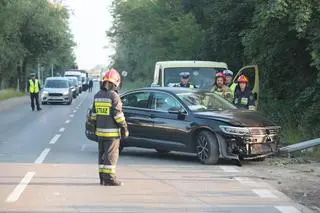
55	98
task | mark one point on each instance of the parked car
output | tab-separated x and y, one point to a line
56	90
74	86
196	121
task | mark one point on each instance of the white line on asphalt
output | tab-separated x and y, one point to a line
264	193
74	111
246	181
229	169
16	193
54	139
83	147
62	130
287	209
42	156
67	121
71	115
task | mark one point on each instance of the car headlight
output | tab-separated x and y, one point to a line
45	93
231	130
65	93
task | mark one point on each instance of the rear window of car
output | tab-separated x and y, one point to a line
56	84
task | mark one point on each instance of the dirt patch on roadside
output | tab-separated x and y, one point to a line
299	179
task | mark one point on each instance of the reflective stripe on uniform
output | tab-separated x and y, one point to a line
108	132
120	118
107	169
93	116
108	100
253	108
102	104
244	101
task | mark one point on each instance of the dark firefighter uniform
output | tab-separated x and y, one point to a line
245	99
110	121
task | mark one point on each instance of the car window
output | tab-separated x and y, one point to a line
164	102
56	84
138	99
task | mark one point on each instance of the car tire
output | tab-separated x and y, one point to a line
162	151
207	148
69	102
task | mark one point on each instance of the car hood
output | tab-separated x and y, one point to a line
56	90
237	117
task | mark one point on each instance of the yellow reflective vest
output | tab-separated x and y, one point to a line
34	86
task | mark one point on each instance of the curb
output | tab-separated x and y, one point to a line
13	102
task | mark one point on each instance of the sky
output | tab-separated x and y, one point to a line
88	22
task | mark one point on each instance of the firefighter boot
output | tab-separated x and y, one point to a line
110	180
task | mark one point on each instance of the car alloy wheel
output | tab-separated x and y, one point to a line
207	148
202	148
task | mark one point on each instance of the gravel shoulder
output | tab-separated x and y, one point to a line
13	102
297	178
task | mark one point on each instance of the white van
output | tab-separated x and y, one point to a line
77	74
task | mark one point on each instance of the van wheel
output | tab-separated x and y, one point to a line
69	103
207	148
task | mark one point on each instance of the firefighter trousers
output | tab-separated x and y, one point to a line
34	98
108	158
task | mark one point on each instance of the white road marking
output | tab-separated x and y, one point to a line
83	147
54	139
74	111
71	115
229	169
16	193
42	156
287	209
67	121
62	130
264	193
246	181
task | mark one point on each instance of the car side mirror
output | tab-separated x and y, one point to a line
177	111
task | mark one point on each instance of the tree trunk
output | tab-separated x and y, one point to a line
24	76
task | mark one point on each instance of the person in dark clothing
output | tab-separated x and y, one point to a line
90	85
110	126
244	98
34	89
185	81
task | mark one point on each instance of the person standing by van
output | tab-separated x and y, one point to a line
34	89
244	98
90	85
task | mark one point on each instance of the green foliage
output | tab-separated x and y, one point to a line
281	36
32	31
10	93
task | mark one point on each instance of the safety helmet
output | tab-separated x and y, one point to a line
220	75
228	73
243	79
112	76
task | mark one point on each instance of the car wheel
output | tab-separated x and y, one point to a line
162	151
207	148
69	103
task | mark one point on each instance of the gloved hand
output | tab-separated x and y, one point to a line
124	132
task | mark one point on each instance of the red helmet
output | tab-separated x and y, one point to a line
243	79
112	76
221	75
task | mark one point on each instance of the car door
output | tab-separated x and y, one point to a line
170	120
252	73
136	108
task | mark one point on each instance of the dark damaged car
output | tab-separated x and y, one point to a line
195	121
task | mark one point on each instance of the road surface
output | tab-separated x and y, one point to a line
48	165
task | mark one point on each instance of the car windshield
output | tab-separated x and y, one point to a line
71	82
201	77
56	84
77	76
205	101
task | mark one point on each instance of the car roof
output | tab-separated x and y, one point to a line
174	90
57	78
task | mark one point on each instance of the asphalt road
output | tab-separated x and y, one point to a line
48	165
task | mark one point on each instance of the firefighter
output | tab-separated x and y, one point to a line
34	89
220	88
229	76
110	127
185	81
244	98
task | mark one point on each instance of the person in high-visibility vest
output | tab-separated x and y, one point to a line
34	89
185	81
110	125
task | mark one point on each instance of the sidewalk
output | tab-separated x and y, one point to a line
13	102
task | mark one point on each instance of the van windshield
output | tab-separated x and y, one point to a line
56	84
201	77
77	76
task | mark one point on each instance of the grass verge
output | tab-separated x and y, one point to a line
10	93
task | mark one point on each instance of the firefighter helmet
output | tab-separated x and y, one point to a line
220	75
112	76
243	79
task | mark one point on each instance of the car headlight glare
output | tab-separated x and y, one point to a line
231	130
65	93
45	93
